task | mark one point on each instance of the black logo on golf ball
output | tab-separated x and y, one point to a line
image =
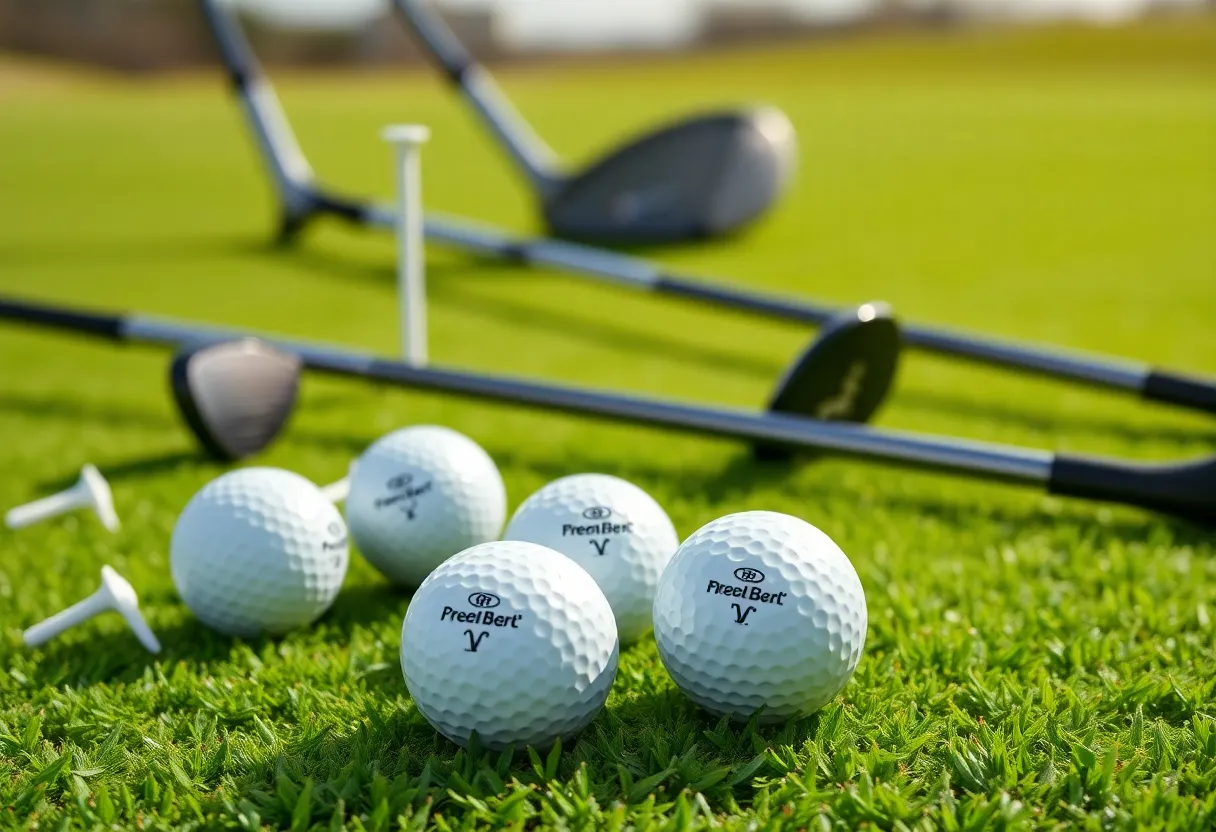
749	575
405	494
597	513
484	600
337	541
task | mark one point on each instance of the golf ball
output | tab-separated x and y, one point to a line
258	550
611	528
418	496
760	610
511	640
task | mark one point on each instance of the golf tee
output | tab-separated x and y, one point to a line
64	620
411	280
42	509
337	492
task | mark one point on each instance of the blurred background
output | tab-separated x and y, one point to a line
160	34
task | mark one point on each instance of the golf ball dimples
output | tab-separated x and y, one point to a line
418	496
760	610
258	550
611	528
511	640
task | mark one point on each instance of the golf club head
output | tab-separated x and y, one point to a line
235	396
705	176
845	373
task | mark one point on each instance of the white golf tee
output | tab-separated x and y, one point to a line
45	508
90	491
337	492
411	276
115	594
64	620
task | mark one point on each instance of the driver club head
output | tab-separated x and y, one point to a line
845	373
235	396
704	176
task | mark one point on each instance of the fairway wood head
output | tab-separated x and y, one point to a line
845	373
236	396
704	176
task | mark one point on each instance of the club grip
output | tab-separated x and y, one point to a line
1186	489
1185	391
50	317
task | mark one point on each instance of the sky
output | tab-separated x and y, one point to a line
580	24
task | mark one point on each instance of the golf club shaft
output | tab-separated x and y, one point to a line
972	457
622	269
475	83
1187	489
276	140
301	198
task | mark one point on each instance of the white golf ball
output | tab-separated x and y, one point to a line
511	640
418	496
760	610
258	550
611	528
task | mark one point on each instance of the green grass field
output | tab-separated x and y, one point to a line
1031	662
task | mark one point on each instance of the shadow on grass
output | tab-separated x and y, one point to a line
326	264
651	744
1047	423
63	408
378	272
120	250
742	475
451	279
601	332
108	658
357	606
368	603
449	282
137	468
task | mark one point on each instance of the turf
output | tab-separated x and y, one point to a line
1031	662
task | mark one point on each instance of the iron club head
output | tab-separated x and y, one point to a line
845	373
704	176
235	396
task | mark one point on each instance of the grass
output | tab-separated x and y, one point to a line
1031	662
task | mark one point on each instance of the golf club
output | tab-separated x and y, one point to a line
705	175
1185	489
302	199
236	397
